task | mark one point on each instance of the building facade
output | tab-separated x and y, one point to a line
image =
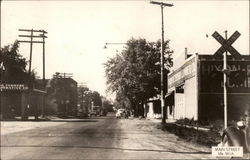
64	94
17	100
195	89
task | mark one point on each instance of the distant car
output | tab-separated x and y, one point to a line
93	113
120	113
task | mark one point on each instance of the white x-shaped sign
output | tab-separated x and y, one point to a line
227	44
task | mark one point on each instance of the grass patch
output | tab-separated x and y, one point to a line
208	138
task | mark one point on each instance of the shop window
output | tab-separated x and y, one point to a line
180	89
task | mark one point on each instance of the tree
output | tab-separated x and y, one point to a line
63	92
134	74
15	65
96	98
107	105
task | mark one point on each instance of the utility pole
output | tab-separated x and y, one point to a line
31	36
2	69
44	81
225	84
163	107
31	42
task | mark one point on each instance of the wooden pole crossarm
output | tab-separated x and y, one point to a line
105	46
161	3
30	41
30	30
114	43
40	36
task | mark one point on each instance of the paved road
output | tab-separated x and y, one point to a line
97	138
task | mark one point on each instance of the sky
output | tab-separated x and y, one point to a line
78	31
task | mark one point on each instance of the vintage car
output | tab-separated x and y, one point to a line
120	113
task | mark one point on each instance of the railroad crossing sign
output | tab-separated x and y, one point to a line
226	44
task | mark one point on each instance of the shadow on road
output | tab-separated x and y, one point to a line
73	120
108	117
53	120
110	148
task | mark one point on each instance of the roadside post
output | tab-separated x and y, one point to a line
226	47
163	106
2	70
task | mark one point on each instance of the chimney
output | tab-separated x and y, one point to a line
186	53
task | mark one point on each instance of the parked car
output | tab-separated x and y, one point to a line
238	135
92	113
120	113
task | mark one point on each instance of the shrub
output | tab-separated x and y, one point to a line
209	138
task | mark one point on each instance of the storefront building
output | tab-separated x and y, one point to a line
195	89
17	100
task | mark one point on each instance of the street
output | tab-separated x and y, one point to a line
96	138
124	80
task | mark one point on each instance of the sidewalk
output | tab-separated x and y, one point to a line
17	125
158	120
31	118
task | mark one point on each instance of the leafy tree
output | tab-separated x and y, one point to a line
134	74
107	105
96	98
83	94
14	64
63	92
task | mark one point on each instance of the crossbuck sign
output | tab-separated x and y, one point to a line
227	44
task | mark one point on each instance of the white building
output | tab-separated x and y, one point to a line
195	88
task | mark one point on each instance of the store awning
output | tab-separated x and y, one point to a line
169	98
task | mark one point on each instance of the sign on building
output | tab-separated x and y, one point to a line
186	71
13	87
238	80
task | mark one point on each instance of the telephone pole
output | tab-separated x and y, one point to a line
225	84
32	36
163	107
2	70
44	81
